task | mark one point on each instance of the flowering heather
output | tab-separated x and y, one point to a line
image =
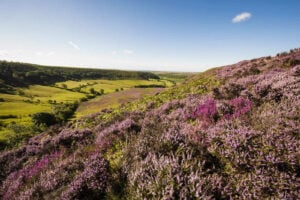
16	179
206	111
240	106
199	140
92	182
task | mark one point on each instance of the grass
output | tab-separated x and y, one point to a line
108	86
35	98
45	93
17	108
114	100
174	77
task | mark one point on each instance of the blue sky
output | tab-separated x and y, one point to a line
170	35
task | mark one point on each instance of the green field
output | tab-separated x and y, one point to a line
17	108
32	100
108	86
174	77
35	98
113	100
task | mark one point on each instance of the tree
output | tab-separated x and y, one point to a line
102	91
92	91
43	118
64	86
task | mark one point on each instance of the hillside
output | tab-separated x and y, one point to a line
27	90
13	74
229	133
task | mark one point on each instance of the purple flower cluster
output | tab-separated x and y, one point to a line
92	182
239	106
206	111
16	179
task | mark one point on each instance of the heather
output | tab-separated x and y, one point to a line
229	133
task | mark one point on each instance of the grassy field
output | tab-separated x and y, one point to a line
174	77
36	98
113	100
17	108
108	86
32	100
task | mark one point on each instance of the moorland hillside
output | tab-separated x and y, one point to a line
228	133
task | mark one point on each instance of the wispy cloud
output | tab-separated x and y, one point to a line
75	46
241	17
127	51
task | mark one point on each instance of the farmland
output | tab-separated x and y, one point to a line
113	100
17	107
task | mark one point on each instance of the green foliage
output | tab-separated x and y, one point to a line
64	86
64	111
15	134
7	116
43	118
92	91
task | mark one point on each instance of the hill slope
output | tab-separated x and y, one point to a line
228	133
13	74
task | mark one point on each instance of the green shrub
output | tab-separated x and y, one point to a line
62	112
44	118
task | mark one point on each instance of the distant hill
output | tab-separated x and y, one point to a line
14	74
228	133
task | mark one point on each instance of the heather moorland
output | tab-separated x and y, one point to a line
227	133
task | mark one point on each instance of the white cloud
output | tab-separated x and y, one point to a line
241	17
126	51
75	46
114	52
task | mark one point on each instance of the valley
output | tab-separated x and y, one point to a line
19	103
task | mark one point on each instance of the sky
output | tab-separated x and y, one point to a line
163	35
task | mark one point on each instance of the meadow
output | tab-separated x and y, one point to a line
93	95
114	100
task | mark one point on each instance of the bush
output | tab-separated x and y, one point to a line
43	118
8	116
92	91
64	111
233	90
